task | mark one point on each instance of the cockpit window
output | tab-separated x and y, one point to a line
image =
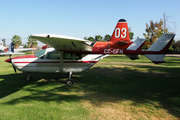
40	53
53	55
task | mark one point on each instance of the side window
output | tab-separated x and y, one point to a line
53	55
77	56
68	56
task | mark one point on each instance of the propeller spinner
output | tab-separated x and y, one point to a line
10	61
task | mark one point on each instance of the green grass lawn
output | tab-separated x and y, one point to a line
114	88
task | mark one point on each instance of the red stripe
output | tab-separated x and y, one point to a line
63	62
25	56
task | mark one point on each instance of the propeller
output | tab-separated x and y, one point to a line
12	64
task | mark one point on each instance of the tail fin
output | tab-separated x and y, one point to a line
161	46
136	45
121	32
11	47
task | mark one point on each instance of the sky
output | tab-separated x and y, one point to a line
83	18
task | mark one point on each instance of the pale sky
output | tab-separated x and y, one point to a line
82	18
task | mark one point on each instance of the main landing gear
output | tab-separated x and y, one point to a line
69	81
28	77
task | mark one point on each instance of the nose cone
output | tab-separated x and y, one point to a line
8	60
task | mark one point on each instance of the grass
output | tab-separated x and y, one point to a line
114	88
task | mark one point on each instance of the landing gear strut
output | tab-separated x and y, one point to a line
69	81
28	77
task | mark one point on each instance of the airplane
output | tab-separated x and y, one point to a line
9	51
71	55
24	49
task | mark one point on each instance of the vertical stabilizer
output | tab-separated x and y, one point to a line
121	32
161	46
11	47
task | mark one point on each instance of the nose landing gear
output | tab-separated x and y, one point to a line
28	77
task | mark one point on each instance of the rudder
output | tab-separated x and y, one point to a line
121	32
161	47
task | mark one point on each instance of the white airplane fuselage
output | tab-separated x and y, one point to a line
51	61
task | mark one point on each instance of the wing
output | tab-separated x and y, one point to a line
11	53
24	49
64	43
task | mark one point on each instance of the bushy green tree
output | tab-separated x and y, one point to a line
17	41
107	37
98	38
90	39
131	34
154	30
32	43
176	47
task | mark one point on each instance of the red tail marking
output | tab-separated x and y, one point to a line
45	46
121	32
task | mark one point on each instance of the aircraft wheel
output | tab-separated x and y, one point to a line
69	82
28	78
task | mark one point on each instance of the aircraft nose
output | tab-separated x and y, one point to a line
8	60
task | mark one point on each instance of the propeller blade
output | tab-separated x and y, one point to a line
12	64
14	68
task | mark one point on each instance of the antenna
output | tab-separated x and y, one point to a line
164	16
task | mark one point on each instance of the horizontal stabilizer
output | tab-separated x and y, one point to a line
136	45
122	42
156	58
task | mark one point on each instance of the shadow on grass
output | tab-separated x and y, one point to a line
10	84
101	85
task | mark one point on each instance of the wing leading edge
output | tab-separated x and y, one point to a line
64	43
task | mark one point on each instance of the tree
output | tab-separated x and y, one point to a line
90	39
176	46
98	38
32	43
131	34
17	41
107	37
85	38
153	32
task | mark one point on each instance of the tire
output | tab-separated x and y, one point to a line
28	78
69	82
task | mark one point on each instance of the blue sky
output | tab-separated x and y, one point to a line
80	18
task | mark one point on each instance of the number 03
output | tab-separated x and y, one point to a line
118	33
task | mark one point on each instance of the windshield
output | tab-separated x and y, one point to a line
40	53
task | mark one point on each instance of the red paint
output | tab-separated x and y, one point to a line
120	29
45	46
119	39
8	60
25	56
